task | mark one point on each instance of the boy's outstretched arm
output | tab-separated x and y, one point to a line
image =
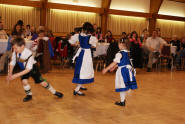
10	71
112	65
16	75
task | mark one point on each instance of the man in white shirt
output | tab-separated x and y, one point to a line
154	45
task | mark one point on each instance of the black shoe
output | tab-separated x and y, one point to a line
83	88
27	98
149	70
120	103
58	94
77	93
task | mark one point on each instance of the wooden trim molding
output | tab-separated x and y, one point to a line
36	4
170	17
129	13
74	7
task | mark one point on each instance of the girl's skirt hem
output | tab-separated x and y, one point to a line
132	87
83	81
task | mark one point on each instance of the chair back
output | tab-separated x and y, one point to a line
64	51
165	51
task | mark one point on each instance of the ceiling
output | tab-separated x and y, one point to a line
168	7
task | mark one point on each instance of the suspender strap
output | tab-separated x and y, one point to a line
27	60
22	61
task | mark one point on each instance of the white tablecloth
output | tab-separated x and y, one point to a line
101	49
4	44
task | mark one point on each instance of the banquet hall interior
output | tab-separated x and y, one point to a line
155	34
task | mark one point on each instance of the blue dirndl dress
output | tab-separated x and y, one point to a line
84	72
125	78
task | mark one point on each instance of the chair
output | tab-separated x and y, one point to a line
53	42
62	54
5	70
165	57
183	63
100	62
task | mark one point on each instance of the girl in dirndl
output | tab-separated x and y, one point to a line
125	74
84	72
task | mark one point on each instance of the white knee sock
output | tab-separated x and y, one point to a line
78	87
122	96
50	88
27	89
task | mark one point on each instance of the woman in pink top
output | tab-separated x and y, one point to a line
108	37
99	35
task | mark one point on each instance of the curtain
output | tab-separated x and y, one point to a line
65	20
11	14
118	24
170	28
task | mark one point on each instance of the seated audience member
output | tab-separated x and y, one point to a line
28	31
64	48
17	32
98	35
111	52
51	38
154	45
144	38
181	53
175	42
21	23
123	36
143	35
49	43
77	30
144	47
128	35
108	37
33	33
135	49
40	49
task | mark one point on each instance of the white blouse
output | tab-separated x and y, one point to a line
75	38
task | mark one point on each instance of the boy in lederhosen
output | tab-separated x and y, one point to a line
23	57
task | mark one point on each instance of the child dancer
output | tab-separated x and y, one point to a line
24	58
125	78
84	72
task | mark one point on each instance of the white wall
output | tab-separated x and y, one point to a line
172	8
131	5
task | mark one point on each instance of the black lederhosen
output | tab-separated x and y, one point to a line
35	74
